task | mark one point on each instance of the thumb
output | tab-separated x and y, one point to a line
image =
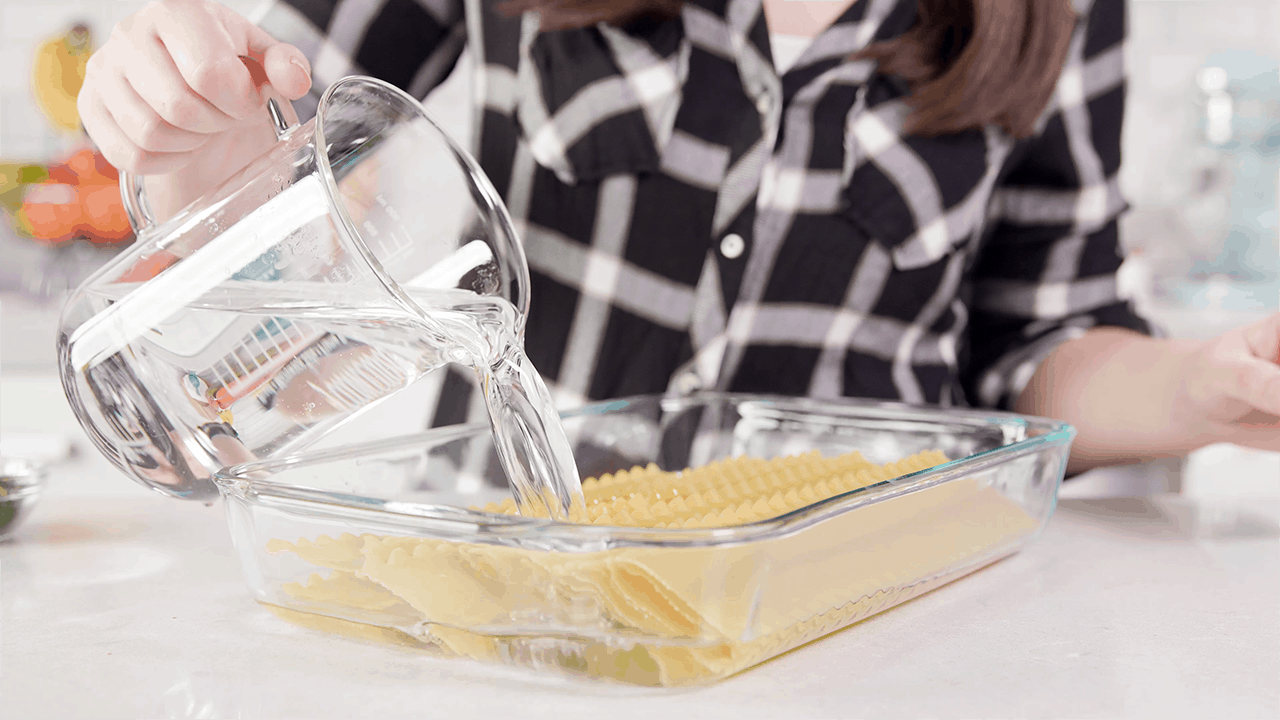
286	67
1263	338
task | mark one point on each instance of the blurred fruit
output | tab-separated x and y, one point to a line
79	198
14	179
59	73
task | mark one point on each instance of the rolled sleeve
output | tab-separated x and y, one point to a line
1047	273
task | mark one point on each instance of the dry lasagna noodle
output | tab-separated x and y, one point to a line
695	613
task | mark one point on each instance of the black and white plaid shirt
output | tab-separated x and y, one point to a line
694	220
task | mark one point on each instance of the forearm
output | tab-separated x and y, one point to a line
1121	391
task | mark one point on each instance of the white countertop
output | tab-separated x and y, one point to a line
115	602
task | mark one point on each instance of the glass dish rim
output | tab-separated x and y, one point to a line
455	523
26	474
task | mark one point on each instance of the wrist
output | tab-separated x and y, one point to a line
1190	414
1131	397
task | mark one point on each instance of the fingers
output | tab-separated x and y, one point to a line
205	52
286	66
1259	419
1261	438
1253	376
1263	338
144	126
152	73
173	76
287	70
1253	381
116	145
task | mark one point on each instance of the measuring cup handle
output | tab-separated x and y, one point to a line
134	195
135	202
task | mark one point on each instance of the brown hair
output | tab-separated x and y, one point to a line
968	62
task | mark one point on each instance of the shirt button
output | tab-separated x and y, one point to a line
732	246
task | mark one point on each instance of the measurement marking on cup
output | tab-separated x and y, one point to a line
147	306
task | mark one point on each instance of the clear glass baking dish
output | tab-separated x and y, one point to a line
381	540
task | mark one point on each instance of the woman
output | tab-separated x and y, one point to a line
877	198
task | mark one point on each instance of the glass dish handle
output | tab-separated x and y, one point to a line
133	192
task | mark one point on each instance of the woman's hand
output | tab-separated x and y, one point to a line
1135	398
169	93
1230	386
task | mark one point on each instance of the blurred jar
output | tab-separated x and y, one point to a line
1232	262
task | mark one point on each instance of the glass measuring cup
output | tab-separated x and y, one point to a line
361	252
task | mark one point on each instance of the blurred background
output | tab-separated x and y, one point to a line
1201	151
1201	168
